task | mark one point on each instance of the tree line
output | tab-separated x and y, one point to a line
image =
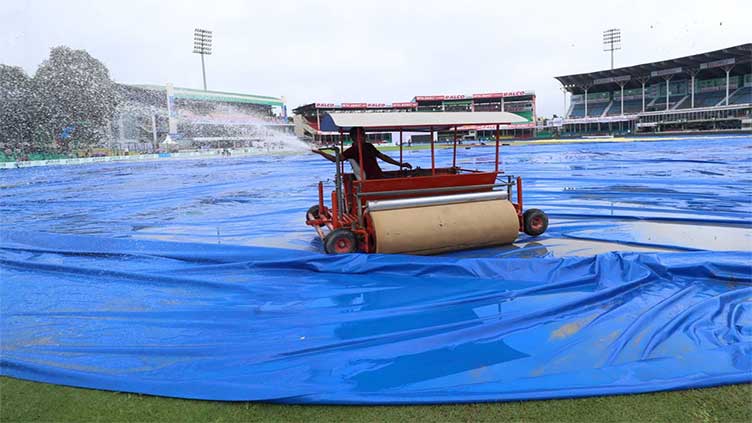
66	106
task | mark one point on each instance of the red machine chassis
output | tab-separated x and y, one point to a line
349	199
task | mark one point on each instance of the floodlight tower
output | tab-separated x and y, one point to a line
202	42
612	42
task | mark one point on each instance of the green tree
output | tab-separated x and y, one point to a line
73	100
15	122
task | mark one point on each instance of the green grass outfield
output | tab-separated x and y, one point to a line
30	401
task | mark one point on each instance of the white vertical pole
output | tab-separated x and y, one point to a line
566	115
643	96
622	99
692	104
203	70
728	72
586	102
502	104
667	93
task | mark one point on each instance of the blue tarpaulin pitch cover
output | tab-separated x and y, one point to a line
200	280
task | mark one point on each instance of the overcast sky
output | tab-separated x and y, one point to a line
370	51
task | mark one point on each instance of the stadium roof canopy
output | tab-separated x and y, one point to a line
218	96
712	64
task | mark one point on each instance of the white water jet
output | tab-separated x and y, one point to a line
214	126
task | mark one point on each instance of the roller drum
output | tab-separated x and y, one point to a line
445	227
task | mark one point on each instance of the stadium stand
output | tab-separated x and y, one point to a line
630	107
709	99
307	118
742	96
660	102
596	109
705	92
686	103
577	110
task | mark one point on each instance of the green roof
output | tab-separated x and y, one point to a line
223	96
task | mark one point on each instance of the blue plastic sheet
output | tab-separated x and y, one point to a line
262	200
251	323
88	301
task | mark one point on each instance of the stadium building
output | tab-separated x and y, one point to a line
704	92
307	118
193	118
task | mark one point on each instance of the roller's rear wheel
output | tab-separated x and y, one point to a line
313	212
535	222
340	241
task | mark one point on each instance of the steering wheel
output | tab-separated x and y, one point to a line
408	173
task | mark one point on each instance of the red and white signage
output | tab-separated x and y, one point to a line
354	105
493	127
440	97
467	97
429	98
365	106
500	95
405	105
413	104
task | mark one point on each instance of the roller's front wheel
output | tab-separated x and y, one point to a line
314	213
340	241
535	222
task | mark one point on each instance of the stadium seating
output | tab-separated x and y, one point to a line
660	103
709	99
686	104
743	96
678	102
596	109
577	111
630	107
701	92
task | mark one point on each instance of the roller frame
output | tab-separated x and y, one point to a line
358	220
351	197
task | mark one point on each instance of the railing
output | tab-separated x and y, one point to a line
695	110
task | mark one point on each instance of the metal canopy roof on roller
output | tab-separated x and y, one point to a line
416	121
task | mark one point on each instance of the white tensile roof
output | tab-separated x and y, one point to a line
422	120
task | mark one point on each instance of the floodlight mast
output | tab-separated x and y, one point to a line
202	43
612	42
